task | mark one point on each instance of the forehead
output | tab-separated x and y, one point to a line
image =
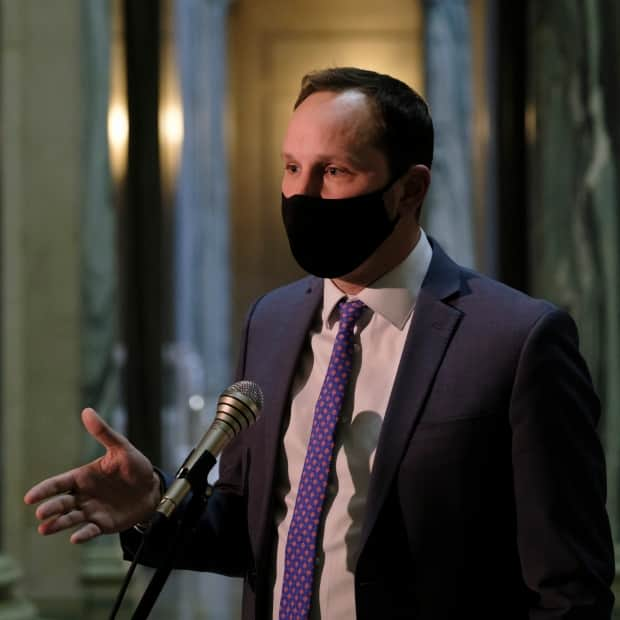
336	120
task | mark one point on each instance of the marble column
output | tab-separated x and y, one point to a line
201	352
448	211
102	569
40	196
202	211
574	143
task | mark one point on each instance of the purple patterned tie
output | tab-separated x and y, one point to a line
301	539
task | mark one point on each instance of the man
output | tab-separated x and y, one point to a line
427	448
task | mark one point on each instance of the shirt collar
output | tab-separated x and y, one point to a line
394	294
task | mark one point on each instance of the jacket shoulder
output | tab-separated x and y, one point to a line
496	299
476	294
281	299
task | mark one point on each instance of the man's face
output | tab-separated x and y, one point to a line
328	150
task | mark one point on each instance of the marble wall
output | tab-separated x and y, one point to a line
201	353
573	132
448	209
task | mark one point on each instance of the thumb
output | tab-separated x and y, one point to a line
99	429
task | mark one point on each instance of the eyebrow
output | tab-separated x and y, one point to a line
355	161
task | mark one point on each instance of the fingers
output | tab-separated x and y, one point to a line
61	522
62	513
85	533
103	433
88	531
56	506
62	483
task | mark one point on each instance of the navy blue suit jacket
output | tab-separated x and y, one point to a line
487	495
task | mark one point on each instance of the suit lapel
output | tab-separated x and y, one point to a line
433	325
287	336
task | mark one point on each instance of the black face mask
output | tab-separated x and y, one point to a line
330	237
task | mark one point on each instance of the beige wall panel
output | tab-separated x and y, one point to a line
272	47
41	187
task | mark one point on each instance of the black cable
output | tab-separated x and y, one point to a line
121	594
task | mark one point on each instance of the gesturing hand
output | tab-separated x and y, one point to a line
108	495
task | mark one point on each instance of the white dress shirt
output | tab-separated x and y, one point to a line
379	341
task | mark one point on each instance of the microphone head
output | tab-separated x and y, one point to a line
238	406
250	389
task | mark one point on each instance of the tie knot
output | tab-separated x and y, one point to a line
350	311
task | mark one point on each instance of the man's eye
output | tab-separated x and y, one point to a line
291	168
332	171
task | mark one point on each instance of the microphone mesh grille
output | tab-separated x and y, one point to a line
249	389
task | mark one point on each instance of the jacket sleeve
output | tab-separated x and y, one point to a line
220	541
564	538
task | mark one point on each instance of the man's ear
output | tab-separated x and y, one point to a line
416	182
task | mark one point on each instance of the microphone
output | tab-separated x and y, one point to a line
237	408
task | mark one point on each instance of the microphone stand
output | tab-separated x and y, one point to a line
185	527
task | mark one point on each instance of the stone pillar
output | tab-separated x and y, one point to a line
448	211
12	605
202	260
40	196
201	352
202	241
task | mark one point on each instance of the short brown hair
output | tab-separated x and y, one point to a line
405	126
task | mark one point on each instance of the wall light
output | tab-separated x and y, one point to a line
170	139
118	135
